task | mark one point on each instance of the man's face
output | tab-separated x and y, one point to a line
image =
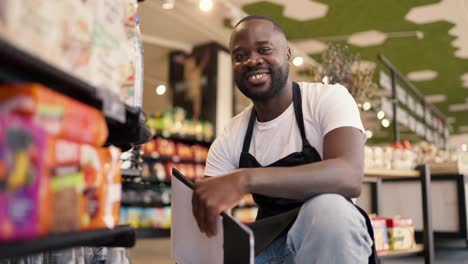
260	59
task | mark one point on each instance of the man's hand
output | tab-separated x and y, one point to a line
215	195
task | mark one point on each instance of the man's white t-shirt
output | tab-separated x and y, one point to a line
324	107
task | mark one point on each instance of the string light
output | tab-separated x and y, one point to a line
380	115
298	61
206	5
161	89
366	106
168	4
385	123
369	134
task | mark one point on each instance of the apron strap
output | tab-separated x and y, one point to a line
248	134
297	101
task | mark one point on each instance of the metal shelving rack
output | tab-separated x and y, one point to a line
121	236
376	178
127	128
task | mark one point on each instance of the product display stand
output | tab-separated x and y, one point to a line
409	108
422	173
121	236
126	126
454	172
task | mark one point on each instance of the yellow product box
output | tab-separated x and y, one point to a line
401	233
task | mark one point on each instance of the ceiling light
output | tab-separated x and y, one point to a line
385	123
168	4
298	61
380	114
366	106
161	89
369	134
206	5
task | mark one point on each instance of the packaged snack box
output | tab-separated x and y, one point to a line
59	115
24	187
380	234
401	233
31	26
87	177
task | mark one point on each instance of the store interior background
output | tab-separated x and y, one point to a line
426	40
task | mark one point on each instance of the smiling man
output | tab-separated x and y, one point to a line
298	149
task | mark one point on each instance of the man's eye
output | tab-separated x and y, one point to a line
238	57
264	50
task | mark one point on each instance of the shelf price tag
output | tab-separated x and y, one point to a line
112	106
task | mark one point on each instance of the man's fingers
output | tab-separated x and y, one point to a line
204	211
196	209
212	222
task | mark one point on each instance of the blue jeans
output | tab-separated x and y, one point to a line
328	229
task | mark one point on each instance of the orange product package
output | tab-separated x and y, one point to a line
67	184
59	115
86	185
104	211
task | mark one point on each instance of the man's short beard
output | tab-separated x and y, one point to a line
278	81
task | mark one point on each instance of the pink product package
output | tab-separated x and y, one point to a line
23	190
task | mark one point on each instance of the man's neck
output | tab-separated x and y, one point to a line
274	107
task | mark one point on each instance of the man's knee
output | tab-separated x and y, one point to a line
325	223
330	214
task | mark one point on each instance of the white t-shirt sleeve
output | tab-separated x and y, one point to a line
220	156
337	108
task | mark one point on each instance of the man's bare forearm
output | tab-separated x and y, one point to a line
338	175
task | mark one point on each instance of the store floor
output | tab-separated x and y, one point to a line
158	251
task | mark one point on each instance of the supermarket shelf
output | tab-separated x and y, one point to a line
422	173
152	233
142	204
122	236
131	172
129	180
175	159
188	141
388	174
419	248
446	168
126	124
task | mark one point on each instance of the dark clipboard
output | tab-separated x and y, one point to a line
238	241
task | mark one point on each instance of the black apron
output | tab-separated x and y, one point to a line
277	215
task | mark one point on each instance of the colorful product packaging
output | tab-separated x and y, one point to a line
148	216
160	147
31	26
24	186
88	178
77	37
381	241
108	38
401	233
134	216
184	151
58	114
